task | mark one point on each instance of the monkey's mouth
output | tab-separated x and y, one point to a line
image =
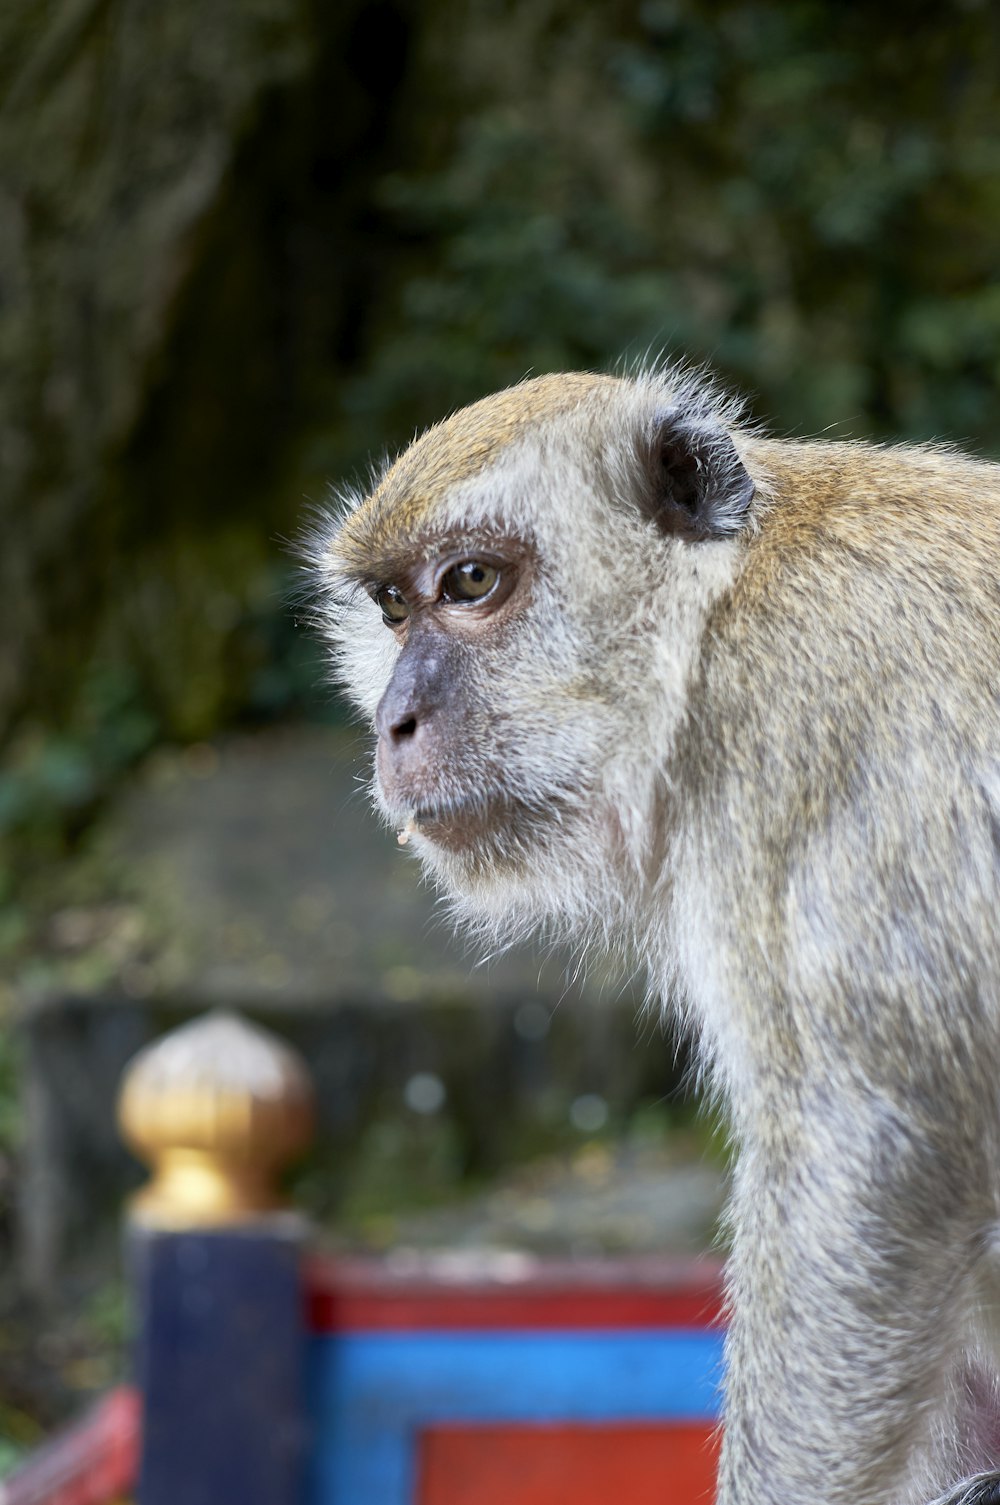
489	823
455	824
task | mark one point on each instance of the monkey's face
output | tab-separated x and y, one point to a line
517	622
443	722
481	676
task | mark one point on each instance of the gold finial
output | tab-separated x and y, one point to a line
216	1108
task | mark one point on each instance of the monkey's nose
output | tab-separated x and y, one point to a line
403	754
414	698
403	730
399	718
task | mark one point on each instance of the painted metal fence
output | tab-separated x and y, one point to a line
267	1375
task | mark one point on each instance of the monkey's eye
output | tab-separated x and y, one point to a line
469	581
394	608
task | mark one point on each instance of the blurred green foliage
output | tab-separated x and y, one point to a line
179	684
404	1164
436	200
804	195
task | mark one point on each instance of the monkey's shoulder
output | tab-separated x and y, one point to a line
870	531
813	485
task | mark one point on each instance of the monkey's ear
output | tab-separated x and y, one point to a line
698	485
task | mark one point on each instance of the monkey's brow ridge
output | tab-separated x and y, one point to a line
405	499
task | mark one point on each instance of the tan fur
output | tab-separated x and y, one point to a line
405	500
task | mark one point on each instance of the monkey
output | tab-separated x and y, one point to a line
643	677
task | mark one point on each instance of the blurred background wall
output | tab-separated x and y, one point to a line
247	244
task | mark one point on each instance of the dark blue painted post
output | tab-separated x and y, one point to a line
217	1107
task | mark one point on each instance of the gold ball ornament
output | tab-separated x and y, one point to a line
217	1109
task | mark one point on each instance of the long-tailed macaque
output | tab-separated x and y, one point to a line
732	705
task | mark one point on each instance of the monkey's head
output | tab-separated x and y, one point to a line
517	606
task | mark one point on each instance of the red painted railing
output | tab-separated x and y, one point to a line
93	1462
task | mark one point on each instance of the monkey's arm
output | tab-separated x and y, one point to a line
851	1271
843	877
